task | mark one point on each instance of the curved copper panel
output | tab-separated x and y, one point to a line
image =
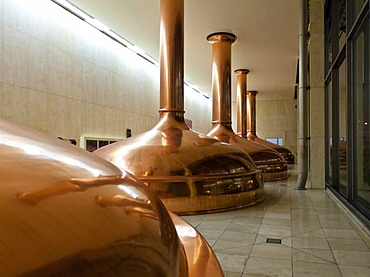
273	167
251	129
190	172
67	212
200	257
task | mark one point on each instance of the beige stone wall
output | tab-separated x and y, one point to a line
276	118
63	77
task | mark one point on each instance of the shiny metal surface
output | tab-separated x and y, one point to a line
251	129
273	167
190	172
67	212
200	256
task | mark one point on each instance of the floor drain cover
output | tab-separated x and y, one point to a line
276	241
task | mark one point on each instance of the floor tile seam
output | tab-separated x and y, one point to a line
348	239
356	251
223	232
302	250
322	227
311	230
271	258
264	258
309	262
353	221
233	247
246	262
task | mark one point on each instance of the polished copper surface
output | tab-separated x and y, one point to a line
270	163
190	172
251	129
273	165
67	212
200	256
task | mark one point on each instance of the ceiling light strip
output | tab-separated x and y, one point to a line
113	35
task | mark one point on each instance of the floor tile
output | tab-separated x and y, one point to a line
350	271
275	231
348	244
231	263
267	267
341	234
316	238
352	258
301	242
232	274
238	237
242	227
313	255
214	224
210	234
272	251
232	248
301	268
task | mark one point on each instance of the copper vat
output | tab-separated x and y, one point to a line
190	172
271	164
251	133
67	212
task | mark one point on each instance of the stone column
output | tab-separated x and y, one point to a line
317	93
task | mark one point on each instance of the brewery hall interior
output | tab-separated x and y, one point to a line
185	138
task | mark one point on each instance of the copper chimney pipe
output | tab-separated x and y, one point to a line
271	164
190	172
241	87
251	129
53	192
172	59
251	112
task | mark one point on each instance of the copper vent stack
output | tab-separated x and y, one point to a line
67	212
190	172
271	164
251	129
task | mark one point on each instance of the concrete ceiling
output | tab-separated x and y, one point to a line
267	32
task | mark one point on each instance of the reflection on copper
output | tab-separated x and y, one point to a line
190	172
94	218
251	129
270	163
199	254
65	186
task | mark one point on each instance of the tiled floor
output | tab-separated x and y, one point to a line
316	238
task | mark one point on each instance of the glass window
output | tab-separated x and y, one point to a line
278	141
342	140
357	6
328	45
361	78
342	23
329	122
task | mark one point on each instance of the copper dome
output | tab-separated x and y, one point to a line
190	172
65	211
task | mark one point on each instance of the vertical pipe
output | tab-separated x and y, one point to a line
251	112
302	99
172	58
241	101
221	77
